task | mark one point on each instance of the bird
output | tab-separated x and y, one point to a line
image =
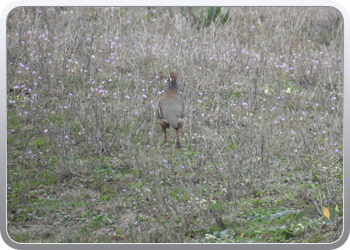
171	109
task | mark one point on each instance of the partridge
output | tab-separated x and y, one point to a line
170	110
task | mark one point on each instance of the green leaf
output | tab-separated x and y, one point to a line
209	15
224	17
217	234
217	12
228	233
333	214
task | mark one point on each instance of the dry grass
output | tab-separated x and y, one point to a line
262	139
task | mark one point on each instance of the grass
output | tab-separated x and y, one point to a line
261	147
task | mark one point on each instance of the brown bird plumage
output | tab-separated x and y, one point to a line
170	110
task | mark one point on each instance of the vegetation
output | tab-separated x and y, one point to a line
262	143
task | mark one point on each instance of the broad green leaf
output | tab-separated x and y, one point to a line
217	234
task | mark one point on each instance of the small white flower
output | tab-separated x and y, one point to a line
209	236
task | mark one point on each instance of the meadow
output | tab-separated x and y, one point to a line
262	145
